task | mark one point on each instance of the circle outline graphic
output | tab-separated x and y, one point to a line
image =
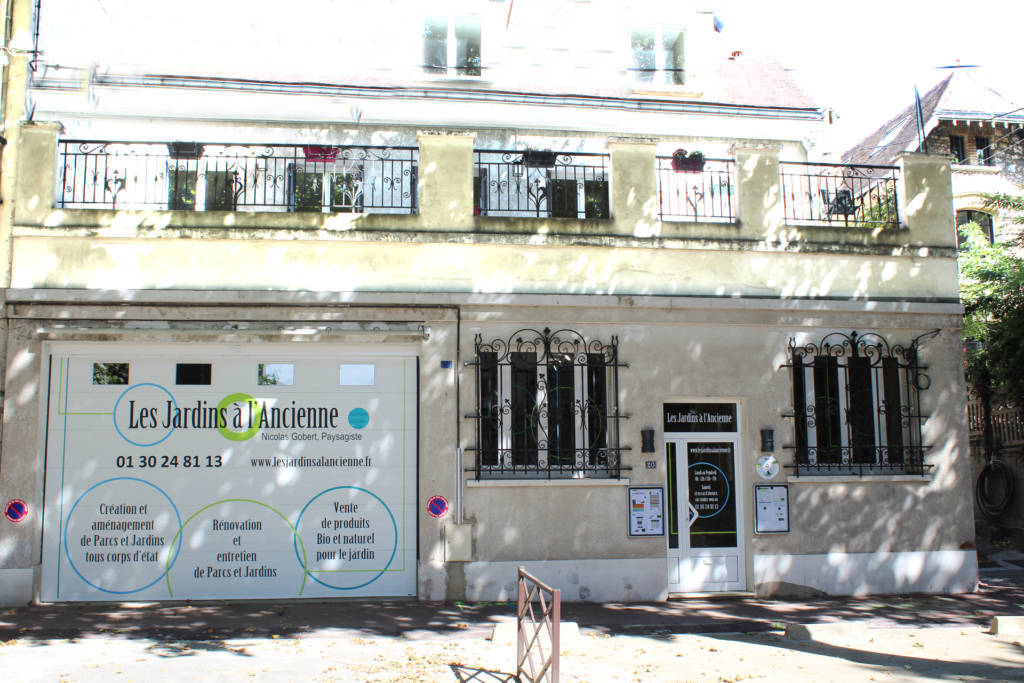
251	431
728	489
67	523
376	576
113	415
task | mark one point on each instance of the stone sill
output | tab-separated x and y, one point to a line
856	478
543	483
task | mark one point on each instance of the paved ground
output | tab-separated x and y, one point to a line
898	638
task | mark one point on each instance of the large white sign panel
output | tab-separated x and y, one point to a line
199	473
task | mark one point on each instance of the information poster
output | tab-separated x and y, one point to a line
771	505
646	511
195	473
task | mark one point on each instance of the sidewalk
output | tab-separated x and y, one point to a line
733	638
1001	593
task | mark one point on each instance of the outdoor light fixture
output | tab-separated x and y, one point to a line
647	440
767	440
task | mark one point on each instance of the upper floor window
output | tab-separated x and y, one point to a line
451	45
658	56
856	405
958	149
547	406
983	148
982	219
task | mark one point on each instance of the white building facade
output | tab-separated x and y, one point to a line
389	312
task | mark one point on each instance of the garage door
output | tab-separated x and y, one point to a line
246	471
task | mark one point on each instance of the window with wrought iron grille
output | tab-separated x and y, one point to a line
856	405
547	406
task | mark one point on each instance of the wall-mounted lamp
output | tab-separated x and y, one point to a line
767	440
647	440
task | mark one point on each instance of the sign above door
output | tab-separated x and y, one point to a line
700	417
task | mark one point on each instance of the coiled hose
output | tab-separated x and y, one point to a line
995	477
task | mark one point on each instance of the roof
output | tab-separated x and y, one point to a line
959	96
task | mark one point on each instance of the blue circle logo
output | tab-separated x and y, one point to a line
16	510
358	418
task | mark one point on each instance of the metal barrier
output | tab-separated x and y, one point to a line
197	176
533	628
540	184
702	191
860	196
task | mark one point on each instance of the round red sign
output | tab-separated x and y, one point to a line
437	506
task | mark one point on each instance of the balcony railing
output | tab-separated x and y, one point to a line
236	177
839	194
534	184
692	193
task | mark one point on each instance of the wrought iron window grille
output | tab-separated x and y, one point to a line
704	193
547	406
856	405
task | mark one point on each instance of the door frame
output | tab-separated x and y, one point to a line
677	556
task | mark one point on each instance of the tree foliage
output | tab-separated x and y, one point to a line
992	291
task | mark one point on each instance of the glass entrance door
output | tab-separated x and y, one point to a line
705	537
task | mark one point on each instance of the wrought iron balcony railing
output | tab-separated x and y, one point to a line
839	194
236	177
540	184
697	191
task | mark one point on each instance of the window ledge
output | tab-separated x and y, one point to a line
837	478
445	79
548	483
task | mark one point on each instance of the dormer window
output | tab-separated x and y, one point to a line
451	46
658	56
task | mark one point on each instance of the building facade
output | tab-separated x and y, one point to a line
392	326
979	129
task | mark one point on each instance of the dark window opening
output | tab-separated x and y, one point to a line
984	150
193	373
958	149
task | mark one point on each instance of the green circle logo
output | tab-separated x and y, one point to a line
256	410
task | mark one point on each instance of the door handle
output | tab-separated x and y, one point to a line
693	515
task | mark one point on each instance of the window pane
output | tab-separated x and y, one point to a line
220	191
275	374
524	409
893	408
800	407
643	54
193	373
490	409
562	201
597	411
467	46
347	192
983	150
435	42
110	373
672	55
596	198
957	148
861	409
560	399
827	418
181	188
307	191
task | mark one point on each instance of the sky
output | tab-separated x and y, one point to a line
864	58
